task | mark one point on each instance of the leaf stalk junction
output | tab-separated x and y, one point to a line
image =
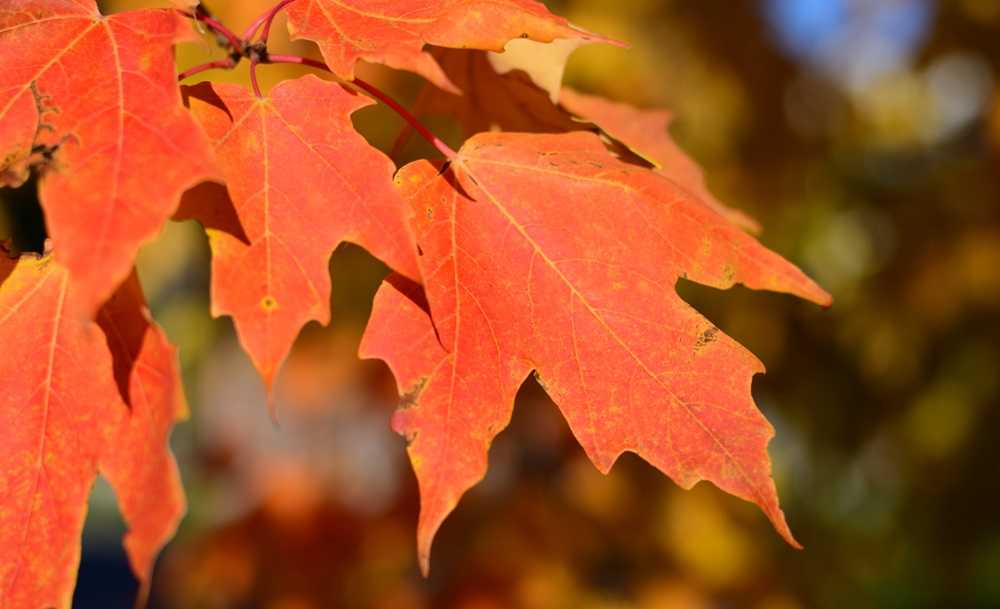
245	46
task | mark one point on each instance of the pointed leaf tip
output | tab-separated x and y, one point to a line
63	419
273	277
514	283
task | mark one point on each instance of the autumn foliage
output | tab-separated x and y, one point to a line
549	244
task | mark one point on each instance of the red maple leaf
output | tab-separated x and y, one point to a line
491	101
394	33
269	264
63	419
93	101
545	253
645	133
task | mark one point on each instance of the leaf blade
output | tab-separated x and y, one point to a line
101	97
585	298
64	420
394	33
270	273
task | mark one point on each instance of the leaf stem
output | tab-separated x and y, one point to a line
253	77
221	64
265	19
270	18
305	61
408	117
251	31
257	53
378	94
232	40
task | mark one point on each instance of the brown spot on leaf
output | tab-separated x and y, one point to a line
409	399
729	273
707	337
268	303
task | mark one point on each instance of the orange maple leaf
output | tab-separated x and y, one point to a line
545	253
394	33
301	181
63	419
93	101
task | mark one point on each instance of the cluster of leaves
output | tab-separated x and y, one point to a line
550	243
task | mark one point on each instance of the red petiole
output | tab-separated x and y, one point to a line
270	18
378	94
234	42
221	64
257	53
265	19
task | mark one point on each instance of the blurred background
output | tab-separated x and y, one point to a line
865	136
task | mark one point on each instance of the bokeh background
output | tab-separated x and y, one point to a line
865	136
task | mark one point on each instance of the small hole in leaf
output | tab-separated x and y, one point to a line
268	303
21	217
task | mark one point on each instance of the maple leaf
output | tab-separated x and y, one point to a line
301	182
545	253
490	101
645	132
543	63
394	33
138	463
93	101
499	92
63	419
